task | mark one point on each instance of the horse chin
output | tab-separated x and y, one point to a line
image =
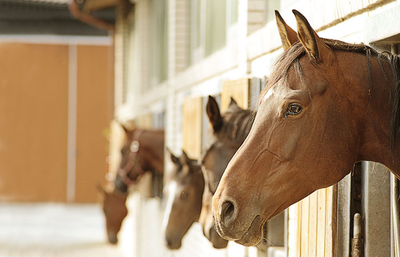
112	238
217	241
173	243
174	246
254	233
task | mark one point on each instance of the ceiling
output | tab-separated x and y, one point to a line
49	17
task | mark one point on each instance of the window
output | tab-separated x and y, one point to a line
215	26
158	41
131	59
196	36
212	26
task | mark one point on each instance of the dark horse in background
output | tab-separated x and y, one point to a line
183	189
327	105
229	130
143	151
184	182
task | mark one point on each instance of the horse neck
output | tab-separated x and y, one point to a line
121	196
375	144
152	147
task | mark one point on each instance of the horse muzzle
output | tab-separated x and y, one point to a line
243	229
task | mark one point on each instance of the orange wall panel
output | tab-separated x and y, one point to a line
33	122
93	120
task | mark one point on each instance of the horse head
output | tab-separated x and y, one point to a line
142	151
183	188
313	123
229	130
115	211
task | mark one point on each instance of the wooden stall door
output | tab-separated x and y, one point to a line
33	122
317	223
93	118
144	121
238	90
191	126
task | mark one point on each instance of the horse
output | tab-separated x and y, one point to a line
327	105
229	130
143	151
184	185
115	211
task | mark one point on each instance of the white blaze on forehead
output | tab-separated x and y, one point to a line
270	93
171	188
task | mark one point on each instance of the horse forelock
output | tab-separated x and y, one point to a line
282	66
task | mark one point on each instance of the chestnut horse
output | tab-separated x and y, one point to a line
115	211
184	185
142	151
327	105
229	131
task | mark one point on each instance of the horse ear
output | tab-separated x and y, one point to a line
213	113
316	49
128	132
185	158
233	103
125	129
174	159
287	34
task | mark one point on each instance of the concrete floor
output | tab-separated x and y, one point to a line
47	230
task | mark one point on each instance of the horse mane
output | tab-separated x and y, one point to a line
237	125
297	50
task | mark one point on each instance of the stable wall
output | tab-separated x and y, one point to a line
54	112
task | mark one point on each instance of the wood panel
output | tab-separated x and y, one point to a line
33	122
321	217
316	221
144	121
191	126
93	104
116	141
239	90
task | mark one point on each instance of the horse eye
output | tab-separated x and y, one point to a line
293	109
183	195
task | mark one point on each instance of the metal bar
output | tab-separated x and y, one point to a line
394	203
376	209
394	215
344	217
87	18
357	241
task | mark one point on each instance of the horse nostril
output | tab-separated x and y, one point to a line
168	242
228	213
172	244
